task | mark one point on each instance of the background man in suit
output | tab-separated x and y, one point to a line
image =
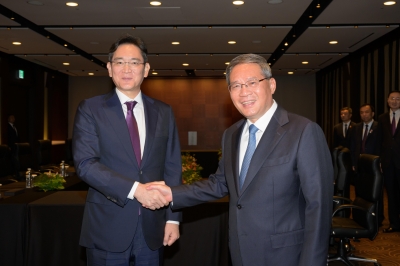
342	131
389	134
364	139
115	162
280	208
12	138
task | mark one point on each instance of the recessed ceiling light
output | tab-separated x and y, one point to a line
232	42
238	3
91	74
389	3
304	62
275	1
290	72
185	64
154	73
155	3
175	43
333	42
71	4
66	64
227	63
17	43
36	3
286	44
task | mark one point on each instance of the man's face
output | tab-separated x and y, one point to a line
345	116
394	101
251	103
366	114
11	119
127	78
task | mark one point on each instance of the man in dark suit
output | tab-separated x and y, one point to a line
281	197
116	150
364	137
342	131
12	138
389	134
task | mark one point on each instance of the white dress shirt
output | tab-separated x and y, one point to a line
261	124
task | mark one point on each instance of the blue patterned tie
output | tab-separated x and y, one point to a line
251	147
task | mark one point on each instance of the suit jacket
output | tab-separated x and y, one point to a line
338	138
104	159
390	145
371	144
12	136
282	214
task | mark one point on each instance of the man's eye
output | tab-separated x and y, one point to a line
251	83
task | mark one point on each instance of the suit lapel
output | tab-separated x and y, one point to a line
151	116
113	110
271	137
235	154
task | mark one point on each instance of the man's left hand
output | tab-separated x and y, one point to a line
171	233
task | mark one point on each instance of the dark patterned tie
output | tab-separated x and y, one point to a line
364	139
345	130
251	147
393	124
133	130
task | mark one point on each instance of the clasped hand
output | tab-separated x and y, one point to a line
154	195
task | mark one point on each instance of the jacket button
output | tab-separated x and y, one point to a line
239	206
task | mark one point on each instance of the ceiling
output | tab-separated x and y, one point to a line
203	29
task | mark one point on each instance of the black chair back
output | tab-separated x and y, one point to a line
44	152
335	154
345	173
5	161
368	187
24	157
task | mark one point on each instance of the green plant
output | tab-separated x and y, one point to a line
49	181
190	169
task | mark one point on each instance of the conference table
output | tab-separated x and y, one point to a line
43	228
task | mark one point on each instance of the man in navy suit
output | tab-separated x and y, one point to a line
342	131
116	227
364	137
12	138
281	205
389	135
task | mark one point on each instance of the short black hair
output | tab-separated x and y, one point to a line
367	104
128	39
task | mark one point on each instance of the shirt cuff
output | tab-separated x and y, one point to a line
133	190
172	222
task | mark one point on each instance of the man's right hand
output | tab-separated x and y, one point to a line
151	199
161	188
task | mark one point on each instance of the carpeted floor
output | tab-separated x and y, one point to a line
385	248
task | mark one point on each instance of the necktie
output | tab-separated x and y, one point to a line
251	147
364	139
133	130
393	124
345	130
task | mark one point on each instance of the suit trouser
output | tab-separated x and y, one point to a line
391	176
137	254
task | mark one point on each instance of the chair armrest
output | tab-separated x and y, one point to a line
337	199
348	206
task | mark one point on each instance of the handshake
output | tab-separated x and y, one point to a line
153	195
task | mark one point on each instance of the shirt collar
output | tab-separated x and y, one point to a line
123	98
369	124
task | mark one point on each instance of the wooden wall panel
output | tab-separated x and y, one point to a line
201	105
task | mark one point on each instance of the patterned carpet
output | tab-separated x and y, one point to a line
385	248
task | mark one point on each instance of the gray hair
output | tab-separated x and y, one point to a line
248	59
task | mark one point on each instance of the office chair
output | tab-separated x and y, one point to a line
364	220
43	153
24	158
343	179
